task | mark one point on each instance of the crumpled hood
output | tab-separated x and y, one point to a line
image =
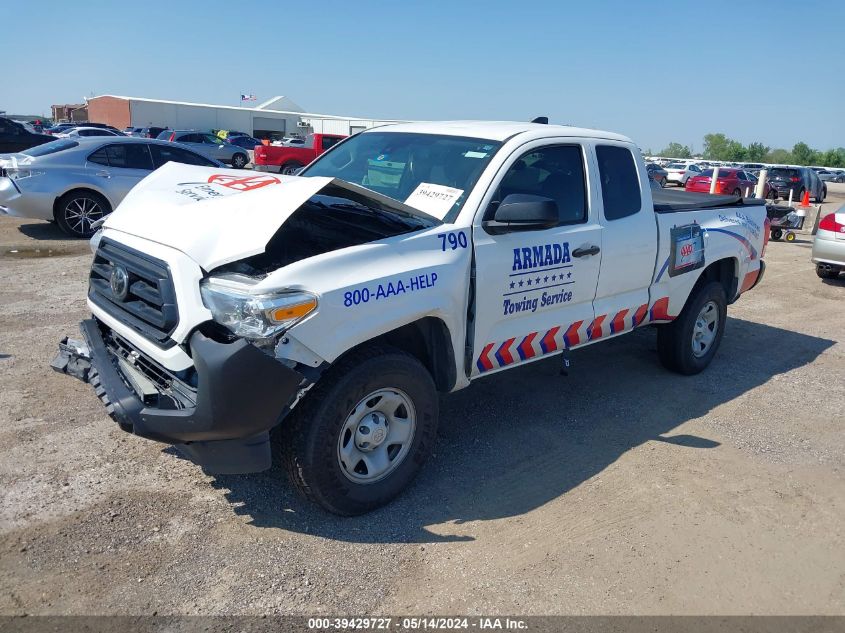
215	216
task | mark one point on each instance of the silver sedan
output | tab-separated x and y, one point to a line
76	181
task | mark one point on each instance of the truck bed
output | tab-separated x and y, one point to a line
668	201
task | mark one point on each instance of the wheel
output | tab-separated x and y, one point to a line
820	199
688	344
773	194
776	234
363	432
288	168
239	160
790	236
737	193
827	272
77	210
801	195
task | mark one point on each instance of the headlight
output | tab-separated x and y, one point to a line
251	315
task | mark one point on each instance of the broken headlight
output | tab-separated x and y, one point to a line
254	315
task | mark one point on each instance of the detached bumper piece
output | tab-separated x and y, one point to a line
218	414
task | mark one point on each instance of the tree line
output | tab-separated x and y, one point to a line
720	147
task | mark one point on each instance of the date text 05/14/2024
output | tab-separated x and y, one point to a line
389	289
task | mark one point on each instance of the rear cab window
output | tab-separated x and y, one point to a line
620	184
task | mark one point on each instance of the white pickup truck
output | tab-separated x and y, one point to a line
408	260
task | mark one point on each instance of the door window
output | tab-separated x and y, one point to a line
551	172
166	153
620	186
129	156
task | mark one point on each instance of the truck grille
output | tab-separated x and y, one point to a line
135	289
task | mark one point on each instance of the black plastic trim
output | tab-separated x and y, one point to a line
241	394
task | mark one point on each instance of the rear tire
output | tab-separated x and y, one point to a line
737	193
827	273
820	198
688	344
76	210
239	160
288	168
776	234
324	443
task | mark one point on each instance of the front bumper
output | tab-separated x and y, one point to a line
241	393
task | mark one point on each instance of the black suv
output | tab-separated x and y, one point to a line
798	180
15	138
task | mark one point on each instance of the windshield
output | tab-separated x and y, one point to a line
50	148
434	173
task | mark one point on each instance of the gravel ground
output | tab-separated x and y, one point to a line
621	489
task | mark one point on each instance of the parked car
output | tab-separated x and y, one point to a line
656	173
15	137
839	176
58	128
133	131
730	181
244	142
287	159
208	144
797	180
153	131
825	175
87	131
409	261
679	173
829	245
64	127
76	181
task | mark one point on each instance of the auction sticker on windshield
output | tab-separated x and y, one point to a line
436	200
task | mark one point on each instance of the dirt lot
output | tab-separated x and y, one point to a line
620	489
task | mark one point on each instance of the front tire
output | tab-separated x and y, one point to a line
688	344
77	210
363	432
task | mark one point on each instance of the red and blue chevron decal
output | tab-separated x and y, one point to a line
548	341
526	348
594	331
639	315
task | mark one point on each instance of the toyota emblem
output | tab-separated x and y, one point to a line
119	282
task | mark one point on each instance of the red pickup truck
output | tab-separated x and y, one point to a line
286	159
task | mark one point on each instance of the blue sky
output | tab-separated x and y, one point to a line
657	72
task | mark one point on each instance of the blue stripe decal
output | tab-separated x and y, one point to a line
741	238
662	270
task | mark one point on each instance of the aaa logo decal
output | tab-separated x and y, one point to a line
239	183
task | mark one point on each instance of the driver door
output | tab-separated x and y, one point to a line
535	289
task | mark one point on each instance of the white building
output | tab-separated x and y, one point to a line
274	118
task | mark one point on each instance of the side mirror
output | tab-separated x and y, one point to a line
523	212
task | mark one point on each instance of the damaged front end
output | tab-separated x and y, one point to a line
219	413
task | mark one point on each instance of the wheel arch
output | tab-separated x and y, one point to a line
427	339
726	272
80	188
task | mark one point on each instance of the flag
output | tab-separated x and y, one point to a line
247	97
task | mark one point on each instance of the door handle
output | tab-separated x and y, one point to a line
583	252
104	174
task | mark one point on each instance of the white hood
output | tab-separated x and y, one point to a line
215	216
